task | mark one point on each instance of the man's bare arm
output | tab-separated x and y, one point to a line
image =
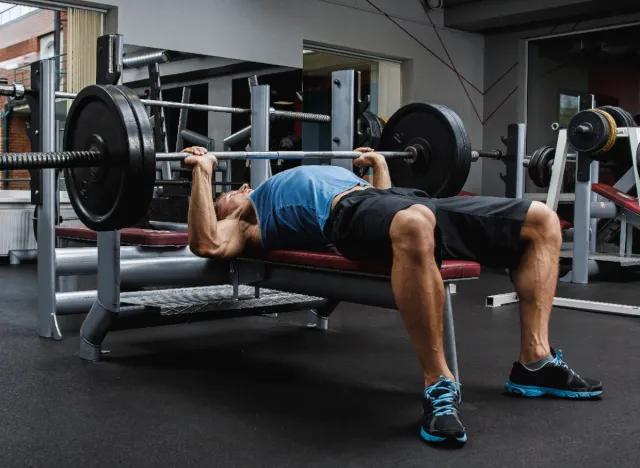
207	236
381	177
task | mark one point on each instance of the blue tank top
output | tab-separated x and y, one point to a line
294	205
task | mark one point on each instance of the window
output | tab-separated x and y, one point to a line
569	105
10	12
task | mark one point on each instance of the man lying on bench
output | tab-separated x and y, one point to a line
311	207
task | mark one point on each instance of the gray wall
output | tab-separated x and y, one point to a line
273	31
502	52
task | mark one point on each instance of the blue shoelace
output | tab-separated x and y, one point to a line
560	363
558	360
445	402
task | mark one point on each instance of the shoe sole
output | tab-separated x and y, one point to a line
442	440
532	392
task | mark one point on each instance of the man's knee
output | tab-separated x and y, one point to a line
542	225
413	229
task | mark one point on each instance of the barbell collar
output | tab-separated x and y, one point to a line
492	154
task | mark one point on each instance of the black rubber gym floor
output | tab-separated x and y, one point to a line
263	392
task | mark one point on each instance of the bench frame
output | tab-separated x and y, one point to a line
334	285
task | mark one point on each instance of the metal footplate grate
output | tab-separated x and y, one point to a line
216	298
633	260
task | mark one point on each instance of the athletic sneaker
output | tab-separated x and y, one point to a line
441	423
554	378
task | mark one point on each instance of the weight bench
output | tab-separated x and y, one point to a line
628	214
326	275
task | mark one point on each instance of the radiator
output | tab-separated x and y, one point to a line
16	225
16	229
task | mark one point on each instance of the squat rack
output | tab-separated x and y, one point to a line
343	133
587	210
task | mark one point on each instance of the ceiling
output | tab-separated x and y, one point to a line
595	48
500	15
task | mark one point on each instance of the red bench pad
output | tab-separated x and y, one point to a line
565	224
330	260
626	201
450	270
131	236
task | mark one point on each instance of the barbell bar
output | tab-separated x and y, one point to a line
95	158
410	155
275	113
17	90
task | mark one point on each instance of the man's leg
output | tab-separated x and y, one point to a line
535	279
540	371
419	293
524	236
395	224
418	288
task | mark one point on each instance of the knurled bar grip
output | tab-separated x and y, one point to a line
301	116
54	160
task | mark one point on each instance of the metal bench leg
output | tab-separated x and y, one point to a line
319	318
449	334
316	321
105	310
94	330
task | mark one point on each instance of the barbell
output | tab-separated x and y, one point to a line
597	132
17	90
109	156
539	165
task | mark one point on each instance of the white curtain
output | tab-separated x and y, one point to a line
388	75
84	28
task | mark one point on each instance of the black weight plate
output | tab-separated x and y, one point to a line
101	196
147	165
544	165
464	142
532	169
631	122
445	168
620	116
619	154
371	130
596	139
369	134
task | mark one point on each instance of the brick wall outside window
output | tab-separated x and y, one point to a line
17	39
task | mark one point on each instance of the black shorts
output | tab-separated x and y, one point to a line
480	229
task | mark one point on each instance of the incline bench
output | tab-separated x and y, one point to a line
628	214
322	274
